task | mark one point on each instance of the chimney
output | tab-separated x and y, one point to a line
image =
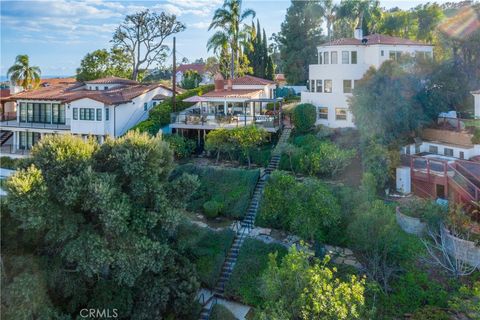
219	82
358	33
229	84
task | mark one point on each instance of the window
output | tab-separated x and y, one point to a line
340	114
107	114
58	113
155	102
30	112
323	113
87	114
407	150
312	85
145	106
99	114
334	57
355	83
325	58
382	53
395	55
96	88
28	139
448	152
433	149
354	57
320	58
345	56
462	155
319	86
347	86
23	112
75	113
327	86
105	88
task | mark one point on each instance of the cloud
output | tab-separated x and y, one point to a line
199	25
192	7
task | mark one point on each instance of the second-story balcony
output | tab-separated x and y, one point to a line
10	120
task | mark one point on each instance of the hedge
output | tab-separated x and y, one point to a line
206	249
245	281
159	115
232	188
10	163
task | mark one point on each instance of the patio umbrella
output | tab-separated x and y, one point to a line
195	99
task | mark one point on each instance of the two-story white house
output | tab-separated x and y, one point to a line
100	108
344	61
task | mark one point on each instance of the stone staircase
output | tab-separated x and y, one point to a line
247	225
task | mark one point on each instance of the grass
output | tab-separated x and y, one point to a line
245	282
233	188
206	249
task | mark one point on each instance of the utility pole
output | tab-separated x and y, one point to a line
174	78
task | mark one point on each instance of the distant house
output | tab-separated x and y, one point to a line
342	62
280	79
207	77
100	108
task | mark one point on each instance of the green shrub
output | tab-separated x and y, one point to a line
308	208
476	136
9	163
431	313
159	115
220	312
233	188
206	249
182	147
245	281
304	117
212	209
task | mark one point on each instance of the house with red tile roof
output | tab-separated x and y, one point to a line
238	102
342	62
200	68
106	107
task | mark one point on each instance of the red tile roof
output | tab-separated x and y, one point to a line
234	93
375	39
55	81
111	80
199	67
251	80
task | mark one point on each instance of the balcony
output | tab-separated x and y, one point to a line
192	120
10	120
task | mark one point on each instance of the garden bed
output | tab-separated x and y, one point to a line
206	249
245	281
231	189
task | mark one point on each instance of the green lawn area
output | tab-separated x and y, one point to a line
245	282
231	188
206	249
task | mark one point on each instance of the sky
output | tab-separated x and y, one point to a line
56	34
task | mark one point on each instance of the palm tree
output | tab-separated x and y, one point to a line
228	19
21	73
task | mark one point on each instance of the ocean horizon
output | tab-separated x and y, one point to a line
47	76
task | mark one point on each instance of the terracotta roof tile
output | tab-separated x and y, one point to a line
234	93
110	80
375	39
251	80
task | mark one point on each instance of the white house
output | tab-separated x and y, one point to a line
344	61
103	107
200	68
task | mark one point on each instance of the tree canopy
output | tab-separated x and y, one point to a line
103	217
23	74
103	63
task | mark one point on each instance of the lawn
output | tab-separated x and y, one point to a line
206	249
231	188
245	282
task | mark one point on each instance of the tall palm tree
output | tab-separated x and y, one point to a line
23	74
228	19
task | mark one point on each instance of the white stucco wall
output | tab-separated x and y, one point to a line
425	147
367	56
477	104
86	126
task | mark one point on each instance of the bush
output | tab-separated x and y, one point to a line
309	209
252	262
476	136
220	312
212	209
233	188
159	115
316	157
10	163
206	249
304	117
181	146
431	313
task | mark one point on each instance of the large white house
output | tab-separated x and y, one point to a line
344	61
102	107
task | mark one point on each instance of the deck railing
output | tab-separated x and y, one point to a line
35	125
239	120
